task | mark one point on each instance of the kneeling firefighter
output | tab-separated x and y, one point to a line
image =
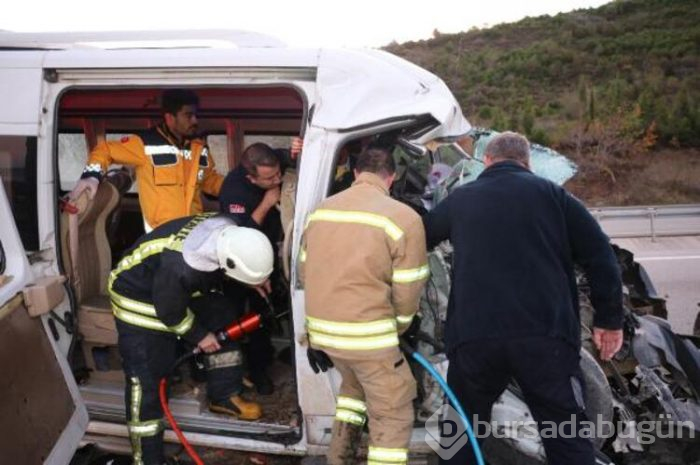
168	286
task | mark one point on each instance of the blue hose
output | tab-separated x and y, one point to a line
453	400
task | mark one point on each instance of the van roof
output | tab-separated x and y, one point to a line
217	38
369	85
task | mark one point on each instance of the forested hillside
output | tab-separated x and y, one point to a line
617	88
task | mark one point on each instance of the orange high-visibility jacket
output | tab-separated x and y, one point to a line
363	264
170	176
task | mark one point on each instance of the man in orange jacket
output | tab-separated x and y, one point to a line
173	166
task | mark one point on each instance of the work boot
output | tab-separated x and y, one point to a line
238	407
344	440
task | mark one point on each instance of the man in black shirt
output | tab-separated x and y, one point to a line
250	194
513	309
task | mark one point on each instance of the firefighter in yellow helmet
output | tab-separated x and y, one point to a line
363	264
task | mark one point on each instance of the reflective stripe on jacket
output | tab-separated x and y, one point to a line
363	264
170	177
152	285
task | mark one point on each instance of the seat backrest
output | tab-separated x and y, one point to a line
93	256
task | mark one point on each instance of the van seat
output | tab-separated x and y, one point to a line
94	262
96	322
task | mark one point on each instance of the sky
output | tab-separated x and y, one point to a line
306	23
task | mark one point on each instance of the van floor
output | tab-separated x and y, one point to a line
104	396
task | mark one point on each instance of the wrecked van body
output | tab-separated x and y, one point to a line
64	92
646	401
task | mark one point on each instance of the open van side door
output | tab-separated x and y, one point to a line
42	417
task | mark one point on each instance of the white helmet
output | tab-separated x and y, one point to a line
245	254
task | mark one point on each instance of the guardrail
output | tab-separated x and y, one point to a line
649	220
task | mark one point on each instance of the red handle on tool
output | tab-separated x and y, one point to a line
239	328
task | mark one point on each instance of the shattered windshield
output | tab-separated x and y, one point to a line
454	170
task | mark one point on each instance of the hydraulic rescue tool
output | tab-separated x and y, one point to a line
236	330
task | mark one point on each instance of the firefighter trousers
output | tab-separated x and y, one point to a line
380	391
147	356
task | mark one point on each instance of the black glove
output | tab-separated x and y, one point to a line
318	360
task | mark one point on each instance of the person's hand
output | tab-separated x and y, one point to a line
318	360
209	344
272	196
264	289
296	147
607	341
88	185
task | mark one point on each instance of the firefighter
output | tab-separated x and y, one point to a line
173	166
363	264
168	287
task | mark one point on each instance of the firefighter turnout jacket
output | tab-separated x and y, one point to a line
170	176
152	285
363	264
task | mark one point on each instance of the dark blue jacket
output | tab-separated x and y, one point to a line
239	198
516	238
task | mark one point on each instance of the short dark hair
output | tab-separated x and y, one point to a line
173	100
377	159
259	154
508	146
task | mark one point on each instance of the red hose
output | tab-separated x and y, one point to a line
166	409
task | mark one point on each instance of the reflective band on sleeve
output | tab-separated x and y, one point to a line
367	328
369	219
155	149
404	319
138	320
92	168
411	275
185	325
153	323
386	455
356	343
144	428
350	417
141	253
132	305
348	403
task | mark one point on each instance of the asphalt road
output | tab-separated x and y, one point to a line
673	264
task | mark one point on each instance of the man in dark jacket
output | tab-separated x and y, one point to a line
250	194
513	311
168	286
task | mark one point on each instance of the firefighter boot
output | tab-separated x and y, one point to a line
238	407
344	441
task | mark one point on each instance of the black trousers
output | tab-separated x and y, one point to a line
548	373
258	350
147	356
